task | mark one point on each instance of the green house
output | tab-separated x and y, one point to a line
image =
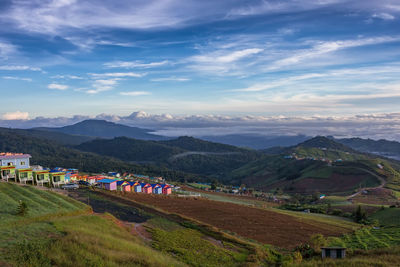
7	172
41	177
57	178
25	175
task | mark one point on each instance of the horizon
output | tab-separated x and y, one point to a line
242	62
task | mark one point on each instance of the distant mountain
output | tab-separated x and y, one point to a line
381	147
324	143
257	141
104	129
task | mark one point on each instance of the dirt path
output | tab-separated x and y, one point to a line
383	183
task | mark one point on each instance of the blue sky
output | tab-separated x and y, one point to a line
227	57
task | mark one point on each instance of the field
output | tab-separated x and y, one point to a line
265	226
59	231
388	217
378	196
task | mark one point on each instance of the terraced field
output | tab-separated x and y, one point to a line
265	226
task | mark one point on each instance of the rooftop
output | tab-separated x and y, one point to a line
10	155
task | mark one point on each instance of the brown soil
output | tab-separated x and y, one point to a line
379	196
265	226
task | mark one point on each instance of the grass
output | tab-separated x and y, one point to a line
368	238
377	257
192	247
59	231
388	217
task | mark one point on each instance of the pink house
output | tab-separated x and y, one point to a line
108	184
166	189
146	188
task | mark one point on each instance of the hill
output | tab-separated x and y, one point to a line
104	129
256	141
129	149
186	154
51	154
318	164
381	147
58	137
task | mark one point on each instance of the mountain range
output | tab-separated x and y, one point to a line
319	163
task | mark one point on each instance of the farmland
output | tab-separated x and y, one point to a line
265	226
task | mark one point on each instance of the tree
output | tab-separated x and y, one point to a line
317	241
22	208
214	185
359	215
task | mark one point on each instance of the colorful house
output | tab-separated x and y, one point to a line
136	187
108	184
146	188
57	178
41	177
18	160
7	172
124	186
157	189
166	189
25	175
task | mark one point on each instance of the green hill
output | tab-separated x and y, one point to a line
51	154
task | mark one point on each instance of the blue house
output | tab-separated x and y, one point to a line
157	189
136	187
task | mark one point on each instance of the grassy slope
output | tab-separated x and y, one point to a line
59	231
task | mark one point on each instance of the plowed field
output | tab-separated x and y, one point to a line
265	226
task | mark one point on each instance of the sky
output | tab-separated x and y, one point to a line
204	59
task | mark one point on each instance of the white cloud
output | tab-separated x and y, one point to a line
72	77
135	93
216	57
174	79
17	115
384	16
102	85
57	86
7	49
19	67
17	78
135	64
326	47
117	74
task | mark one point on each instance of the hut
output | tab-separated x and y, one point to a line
41	177
146	188
157	189
108	184
136	187
333	252
25	175
7	172
124	186
57	178
166	189
18	160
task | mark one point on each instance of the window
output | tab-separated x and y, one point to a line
22	162
10	164
339	254
327	253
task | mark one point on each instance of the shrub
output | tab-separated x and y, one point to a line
22	208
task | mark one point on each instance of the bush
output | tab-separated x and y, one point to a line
22	208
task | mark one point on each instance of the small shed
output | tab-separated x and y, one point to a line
146	188
25	175
157	189
166	189
136	187
41	177
57	178
124	186
108	184
7	172
333	252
